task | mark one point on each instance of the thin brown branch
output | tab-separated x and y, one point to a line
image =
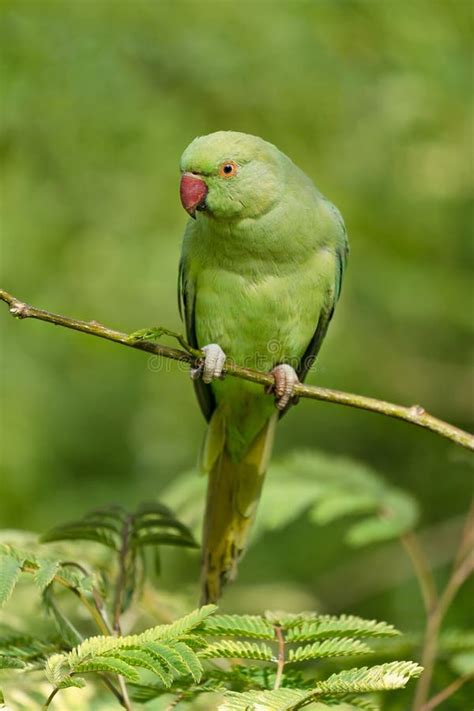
422	570
281	656
48	701
126	703
463	567
123	562
445	693
414	414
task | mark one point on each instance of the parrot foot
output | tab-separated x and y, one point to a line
285	381
213	365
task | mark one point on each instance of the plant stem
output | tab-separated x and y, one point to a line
97	612
281	656
445	693
463	567
48	701
112	688
121	581
422	570
126	703
414	414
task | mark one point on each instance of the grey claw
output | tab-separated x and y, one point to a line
213	365
285	381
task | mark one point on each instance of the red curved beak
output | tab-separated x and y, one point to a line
192	191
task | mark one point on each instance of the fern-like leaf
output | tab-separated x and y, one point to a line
329	648
326	626
27	649
10	569
182	626
190	660
166	656
97	531
162	650
56	669
115	665
164	538
252	626
382	677
280	700
144	660
10	662
45	573
234	649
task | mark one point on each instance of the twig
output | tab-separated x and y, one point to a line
414	414
120	583
50	698
281	656
445	693
422	570
126	703
463	567
98	614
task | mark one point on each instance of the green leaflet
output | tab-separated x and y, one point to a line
160	649
45	573
100	532
252	626
127	533
326	626
143	659
382	677
42	569
182	626
108	664
393	675
238	650
328	648
190	659
56	669
10	569
10	662
27	649
168	656
279	700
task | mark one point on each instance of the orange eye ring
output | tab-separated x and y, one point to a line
228	169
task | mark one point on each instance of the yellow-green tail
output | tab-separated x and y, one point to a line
233	492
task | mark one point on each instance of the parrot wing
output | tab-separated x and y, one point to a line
186	303
342	250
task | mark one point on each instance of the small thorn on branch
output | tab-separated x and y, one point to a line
417	410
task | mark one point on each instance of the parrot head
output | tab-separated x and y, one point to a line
230	175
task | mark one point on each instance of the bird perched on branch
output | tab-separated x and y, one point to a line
261	270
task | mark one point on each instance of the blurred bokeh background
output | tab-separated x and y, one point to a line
99	99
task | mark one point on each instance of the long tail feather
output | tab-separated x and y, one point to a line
232	497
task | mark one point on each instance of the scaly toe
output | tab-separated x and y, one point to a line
285	381
214	359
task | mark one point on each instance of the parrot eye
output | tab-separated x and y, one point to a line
228	170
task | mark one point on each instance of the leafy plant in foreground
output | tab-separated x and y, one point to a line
251	661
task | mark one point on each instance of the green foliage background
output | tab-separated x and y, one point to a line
370	98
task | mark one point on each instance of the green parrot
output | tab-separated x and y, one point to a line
260	273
